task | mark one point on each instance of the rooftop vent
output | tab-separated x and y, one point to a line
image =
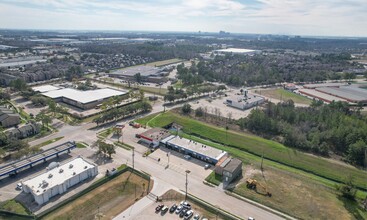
70	166
85	167
74	173
61	170
50	175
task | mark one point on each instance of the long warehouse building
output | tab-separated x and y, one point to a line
194	149
57	180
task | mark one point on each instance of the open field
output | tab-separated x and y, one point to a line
294	194
165	62
48	142
154	90
239	143
13	206
282	94
214	178
106	201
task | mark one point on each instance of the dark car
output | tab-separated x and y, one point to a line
183	212
159	207
173	208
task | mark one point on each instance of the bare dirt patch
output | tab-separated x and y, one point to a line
106	201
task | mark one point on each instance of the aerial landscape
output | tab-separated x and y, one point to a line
212	109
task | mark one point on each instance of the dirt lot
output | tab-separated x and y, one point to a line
172	197
106	201
301	197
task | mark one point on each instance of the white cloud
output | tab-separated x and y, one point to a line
313	17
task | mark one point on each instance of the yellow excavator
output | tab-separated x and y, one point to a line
253	184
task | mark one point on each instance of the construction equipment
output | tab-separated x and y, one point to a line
253	184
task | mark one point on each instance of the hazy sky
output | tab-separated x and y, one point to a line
303	17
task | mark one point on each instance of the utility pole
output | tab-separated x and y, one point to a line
133	158
262	160
187	172
168	158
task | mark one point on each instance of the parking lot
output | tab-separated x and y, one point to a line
150	212
212	103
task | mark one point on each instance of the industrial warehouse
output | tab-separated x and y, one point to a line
237	51
58	179
244	100
147	73
194	149
81	99
336	92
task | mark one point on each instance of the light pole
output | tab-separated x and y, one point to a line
168	158
187	173
133	158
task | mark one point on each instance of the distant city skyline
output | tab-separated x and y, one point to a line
289	17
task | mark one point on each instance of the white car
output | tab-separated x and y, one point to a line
196	217
19	186
250	218
179	209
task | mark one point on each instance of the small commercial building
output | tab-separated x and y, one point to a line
58	179
244	100
8	118
152	137
229	169
83	99
194	149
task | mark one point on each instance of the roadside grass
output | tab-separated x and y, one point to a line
81	145
109	199
123	145
293	194
13	206
104	134
154	90
214	178
283	94
240	143
165	62
48	142
144	120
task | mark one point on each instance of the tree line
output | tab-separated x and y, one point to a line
320	128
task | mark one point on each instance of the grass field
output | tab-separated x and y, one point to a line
13	206
296	195
154	90
109	199
165	62
214	178
247	146
282	94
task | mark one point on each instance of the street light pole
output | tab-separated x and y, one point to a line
187	172
133	159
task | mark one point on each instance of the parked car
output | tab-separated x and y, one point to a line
187	157
183	212
173	208
188	214
164	209
179	209
207	166
196	217
251	218
19	186
159	207
185	204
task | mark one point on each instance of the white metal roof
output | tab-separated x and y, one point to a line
54	177
45	88
236	50
195	147
84	96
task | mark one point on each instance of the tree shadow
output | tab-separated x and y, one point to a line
352	206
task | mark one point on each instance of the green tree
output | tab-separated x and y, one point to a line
199	112
19	84
347	189
186	108
44	119
356	153
138	78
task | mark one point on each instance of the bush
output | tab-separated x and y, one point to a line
186	109
199	112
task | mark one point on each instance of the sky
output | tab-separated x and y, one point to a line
294	17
